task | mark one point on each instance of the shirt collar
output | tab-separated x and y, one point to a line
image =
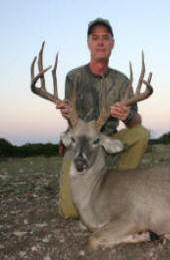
96	75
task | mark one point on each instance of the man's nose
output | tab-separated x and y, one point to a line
100	41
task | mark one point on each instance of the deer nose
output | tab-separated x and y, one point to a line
80	163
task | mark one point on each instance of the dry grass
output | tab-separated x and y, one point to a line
30	227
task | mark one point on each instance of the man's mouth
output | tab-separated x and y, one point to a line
100	50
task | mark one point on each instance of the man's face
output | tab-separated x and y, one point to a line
100	43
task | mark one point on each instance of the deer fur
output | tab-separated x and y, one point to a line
119	206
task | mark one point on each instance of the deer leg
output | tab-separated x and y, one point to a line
117	232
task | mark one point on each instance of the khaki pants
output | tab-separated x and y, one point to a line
135	140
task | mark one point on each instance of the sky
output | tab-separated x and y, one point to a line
24	25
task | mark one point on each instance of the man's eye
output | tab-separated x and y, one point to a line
106	37
94	37
96	141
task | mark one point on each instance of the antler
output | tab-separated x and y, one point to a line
42	92
138	95
104	114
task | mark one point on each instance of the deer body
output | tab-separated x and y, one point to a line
138	194
116	205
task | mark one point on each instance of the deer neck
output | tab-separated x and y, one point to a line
83	185
85	188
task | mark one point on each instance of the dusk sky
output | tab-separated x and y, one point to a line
24	25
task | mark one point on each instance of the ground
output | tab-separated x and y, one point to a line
31	228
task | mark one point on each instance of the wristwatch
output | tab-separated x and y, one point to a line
130	116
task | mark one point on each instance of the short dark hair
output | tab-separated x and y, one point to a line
99	21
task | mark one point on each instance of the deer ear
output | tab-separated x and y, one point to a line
111	145
66	139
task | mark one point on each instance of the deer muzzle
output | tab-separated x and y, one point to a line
80	163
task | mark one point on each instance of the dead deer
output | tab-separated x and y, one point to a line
118	207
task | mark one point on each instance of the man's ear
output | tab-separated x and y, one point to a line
88	42
113	43
111	145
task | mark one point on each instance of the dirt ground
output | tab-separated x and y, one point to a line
31	228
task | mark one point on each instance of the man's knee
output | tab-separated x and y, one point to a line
135	140
66	206
141	133
134	135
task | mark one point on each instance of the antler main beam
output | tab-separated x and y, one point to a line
42	91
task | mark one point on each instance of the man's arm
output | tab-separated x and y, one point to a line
64	108
135	120
127	114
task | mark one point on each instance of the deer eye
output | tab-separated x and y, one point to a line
96	140
73	140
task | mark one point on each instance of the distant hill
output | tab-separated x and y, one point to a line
164	139
27	150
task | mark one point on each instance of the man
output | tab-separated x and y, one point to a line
89	81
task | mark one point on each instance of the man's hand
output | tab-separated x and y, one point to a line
64	108
120	111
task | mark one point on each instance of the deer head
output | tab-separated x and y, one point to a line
85	139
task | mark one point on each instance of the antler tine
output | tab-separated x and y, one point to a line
71	105
149	79
104	114
142	74
149	89
40	66
74	115
32	67
138	95
55	79
34	79
41	91
129	89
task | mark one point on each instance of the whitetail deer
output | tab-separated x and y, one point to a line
119	207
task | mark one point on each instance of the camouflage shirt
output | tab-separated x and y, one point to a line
89	91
